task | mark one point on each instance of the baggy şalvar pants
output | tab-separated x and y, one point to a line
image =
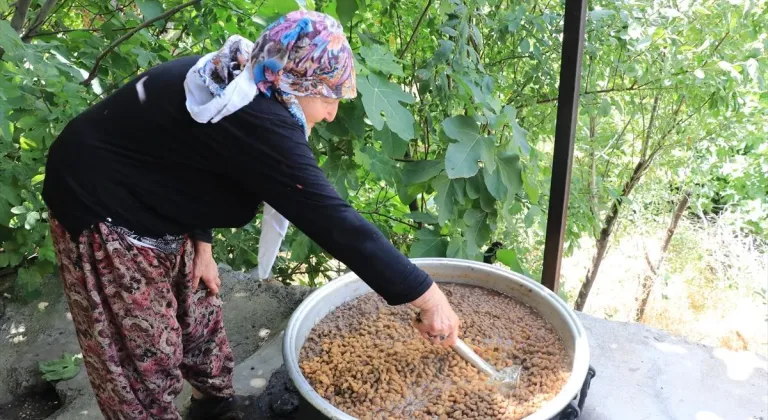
141	327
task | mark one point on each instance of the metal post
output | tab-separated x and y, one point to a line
567	114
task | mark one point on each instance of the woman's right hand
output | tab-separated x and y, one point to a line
437	322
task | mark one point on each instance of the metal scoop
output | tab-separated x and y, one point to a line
507	377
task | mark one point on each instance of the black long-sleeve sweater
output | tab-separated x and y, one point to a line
149	167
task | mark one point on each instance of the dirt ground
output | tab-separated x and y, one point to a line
43	330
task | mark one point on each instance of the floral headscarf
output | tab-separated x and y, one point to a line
301	54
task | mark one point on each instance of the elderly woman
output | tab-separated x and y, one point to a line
136	183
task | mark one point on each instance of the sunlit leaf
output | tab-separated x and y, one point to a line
509	258
382	99
150	9
67	367
470	152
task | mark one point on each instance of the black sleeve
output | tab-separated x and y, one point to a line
204	235
278	164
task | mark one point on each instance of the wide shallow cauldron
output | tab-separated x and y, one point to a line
349	286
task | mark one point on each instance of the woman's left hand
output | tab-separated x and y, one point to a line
205	268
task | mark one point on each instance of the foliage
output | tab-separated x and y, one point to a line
67	367
447	147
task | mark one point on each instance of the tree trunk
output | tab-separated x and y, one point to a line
650	275
605	234
20	15
593	168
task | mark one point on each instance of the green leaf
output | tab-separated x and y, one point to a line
428	243
380	58
464	158
458	248
38	179
28	122
380	165
449	192
598	15
381	96
346	10
421	171
478	230
28	282
349	120
46	251
272	9
150	9
509	258
341	173
300	248
9	39
443	52
421	217
533	213
391	143
475	186
5	215
487	202
9	193
728	67
605	108
67	367
506	181
531	189
143	57
32	218
525	46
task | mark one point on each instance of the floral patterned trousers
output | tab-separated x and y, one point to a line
141	328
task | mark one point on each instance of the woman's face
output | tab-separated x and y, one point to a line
318	108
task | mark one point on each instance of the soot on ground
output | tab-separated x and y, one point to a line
366	359
35	405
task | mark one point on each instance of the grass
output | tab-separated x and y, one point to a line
711	288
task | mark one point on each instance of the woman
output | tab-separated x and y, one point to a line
136	183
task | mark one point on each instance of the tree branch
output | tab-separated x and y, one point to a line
40	19
127	35
649	130
64	31
590	92
20	15
416	29
511	57
394	219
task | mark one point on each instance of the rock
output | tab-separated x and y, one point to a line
290	386
286	404
281	400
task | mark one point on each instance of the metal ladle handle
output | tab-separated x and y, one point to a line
469	355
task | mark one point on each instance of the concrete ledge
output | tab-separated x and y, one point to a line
644	373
